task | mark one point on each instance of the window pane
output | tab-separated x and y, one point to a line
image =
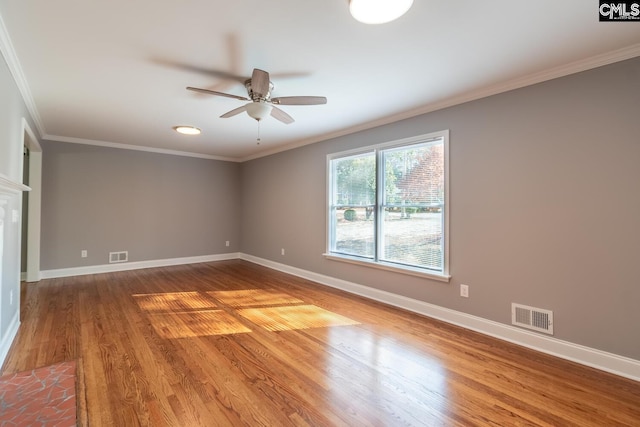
353	198
413	204
354	180
414	175
355	231
413	237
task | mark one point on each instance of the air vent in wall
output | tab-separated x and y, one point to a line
533	318
118	257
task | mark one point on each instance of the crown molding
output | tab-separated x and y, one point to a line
10	57
73	140
607	58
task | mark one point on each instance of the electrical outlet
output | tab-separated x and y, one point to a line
282	251
83	253
464	291
11	297
227	243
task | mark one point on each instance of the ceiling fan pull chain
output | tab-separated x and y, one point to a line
258	139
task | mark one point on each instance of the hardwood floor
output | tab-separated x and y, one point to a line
232	343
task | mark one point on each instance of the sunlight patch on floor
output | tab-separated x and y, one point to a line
196	314
190	324
254	297
172	301
294	317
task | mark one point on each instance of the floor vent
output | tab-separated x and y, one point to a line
118	257
532	318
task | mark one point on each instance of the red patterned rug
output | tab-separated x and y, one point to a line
43	397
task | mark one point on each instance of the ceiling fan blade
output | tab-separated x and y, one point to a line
201	70
278	114
290	75
260	83
213	92
299	100
216	73
234	112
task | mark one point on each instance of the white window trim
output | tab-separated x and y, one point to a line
444	276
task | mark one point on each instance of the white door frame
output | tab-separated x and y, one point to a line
33	216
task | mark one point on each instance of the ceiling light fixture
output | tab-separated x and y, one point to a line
258	110
378	11
187	130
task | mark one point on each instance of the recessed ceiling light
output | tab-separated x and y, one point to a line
187	130
378	11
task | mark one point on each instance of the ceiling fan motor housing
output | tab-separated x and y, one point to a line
256	97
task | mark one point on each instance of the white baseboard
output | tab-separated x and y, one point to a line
609	362
7	339
126	266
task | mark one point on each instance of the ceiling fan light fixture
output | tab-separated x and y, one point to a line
187	130
378	11
258	110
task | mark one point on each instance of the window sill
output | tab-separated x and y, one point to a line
389	267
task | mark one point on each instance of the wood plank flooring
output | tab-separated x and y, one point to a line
235	344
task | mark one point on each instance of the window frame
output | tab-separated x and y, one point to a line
443	276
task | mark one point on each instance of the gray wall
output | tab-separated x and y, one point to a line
155	206
545	206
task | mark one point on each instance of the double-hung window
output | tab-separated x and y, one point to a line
387	205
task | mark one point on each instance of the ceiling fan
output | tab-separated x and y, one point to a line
261	103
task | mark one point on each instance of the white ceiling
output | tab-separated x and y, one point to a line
114	72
